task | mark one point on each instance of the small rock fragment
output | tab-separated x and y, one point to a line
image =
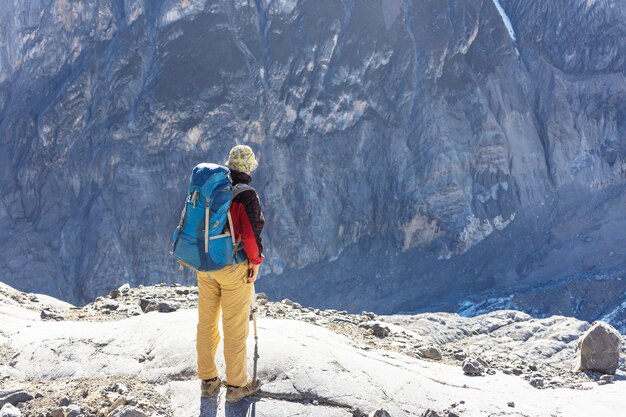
287	302
147	305
124	288
120	388
471	366
430	352
120	401
57	412
73	410
128	412
370	316
607	378
376	329
381	413
511	404
110	305
357	412
64	402
168	306
536	382
430	413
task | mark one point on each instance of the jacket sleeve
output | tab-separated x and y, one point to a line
251	222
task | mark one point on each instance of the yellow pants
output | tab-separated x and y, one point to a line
228	289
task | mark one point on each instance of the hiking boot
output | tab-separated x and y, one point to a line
234	394
209	386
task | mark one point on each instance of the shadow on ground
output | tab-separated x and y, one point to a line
244	408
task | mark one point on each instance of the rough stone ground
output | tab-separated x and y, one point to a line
508	342
95	396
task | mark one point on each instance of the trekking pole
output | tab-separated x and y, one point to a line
256	336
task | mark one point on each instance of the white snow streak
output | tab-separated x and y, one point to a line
505	19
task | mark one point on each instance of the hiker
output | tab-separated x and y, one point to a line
231	289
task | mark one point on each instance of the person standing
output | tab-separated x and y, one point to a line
231	289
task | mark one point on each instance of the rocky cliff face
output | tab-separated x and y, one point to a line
396	140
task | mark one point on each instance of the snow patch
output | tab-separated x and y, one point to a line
133	9
500	224
505	19
175	34
176	10
379	59
290	114
476	230
192	138
283	6
617	317
469	308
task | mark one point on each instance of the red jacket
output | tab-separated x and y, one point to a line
248	220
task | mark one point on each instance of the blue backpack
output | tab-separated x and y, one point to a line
204	239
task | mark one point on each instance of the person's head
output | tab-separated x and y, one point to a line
241	158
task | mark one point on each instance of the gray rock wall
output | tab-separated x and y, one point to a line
382	127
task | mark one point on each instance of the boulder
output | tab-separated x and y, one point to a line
598	349
147	305
471	366
14	396
47	314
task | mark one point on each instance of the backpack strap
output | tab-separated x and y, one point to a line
207	212
240	188
237	189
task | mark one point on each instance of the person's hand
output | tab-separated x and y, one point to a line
253	272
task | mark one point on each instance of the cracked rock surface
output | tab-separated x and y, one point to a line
313	363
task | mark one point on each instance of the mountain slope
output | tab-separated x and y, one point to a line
408	128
